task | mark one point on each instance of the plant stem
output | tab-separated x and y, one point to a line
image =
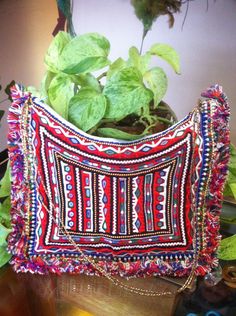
185	15
70	25
162	107
102	121
93	129
143	37
146	131
101	76
164	120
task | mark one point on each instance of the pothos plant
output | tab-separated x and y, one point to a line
227	250
128	92
5	225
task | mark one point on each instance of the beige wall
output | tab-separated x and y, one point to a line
207	45
25	33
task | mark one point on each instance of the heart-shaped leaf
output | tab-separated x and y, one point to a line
5	207
4	231
126	93
167	53
60	91
87	80
1	114
227	190
141	62
85	53
230	187
227	250
4	255
87	108
51	58
156	81
5	183
117	65
116	133
45	83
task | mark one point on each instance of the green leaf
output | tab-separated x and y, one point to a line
45	83
231	175
146	12
227	250
157	82
126	93
87	80
117	65
5	217
230	187
85	53
141	62
116	133
5	207
60	91
4	231
87	108
167	53
227	190
232	163
5	183
233	149
228	220
1	114
55	49
4	256
7	90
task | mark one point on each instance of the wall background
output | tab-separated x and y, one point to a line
207	44
25	34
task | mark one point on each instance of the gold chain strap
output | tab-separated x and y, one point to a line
85	258
4	161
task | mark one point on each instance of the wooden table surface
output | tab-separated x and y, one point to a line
25	294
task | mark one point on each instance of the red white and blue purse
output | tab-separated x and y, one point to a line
84	204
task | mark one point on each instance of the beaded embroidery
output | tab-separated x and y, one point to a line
144	207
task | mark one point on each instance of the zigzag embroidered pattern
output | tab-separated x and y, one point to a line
141	202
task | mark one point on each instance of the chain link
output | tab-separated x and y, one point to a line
87	259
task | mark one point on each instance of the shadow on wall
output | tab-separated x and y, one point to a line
25	32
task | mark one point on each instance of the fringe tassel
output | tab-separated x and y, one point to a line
221	155
17	239
177	266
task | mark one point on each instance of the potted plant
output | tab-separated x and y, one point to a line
227	249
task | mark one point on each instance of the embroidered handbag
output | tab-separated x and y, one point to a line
84	204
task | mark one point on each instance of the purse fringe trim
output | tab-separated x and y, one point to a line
221	155
175	266
17	239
